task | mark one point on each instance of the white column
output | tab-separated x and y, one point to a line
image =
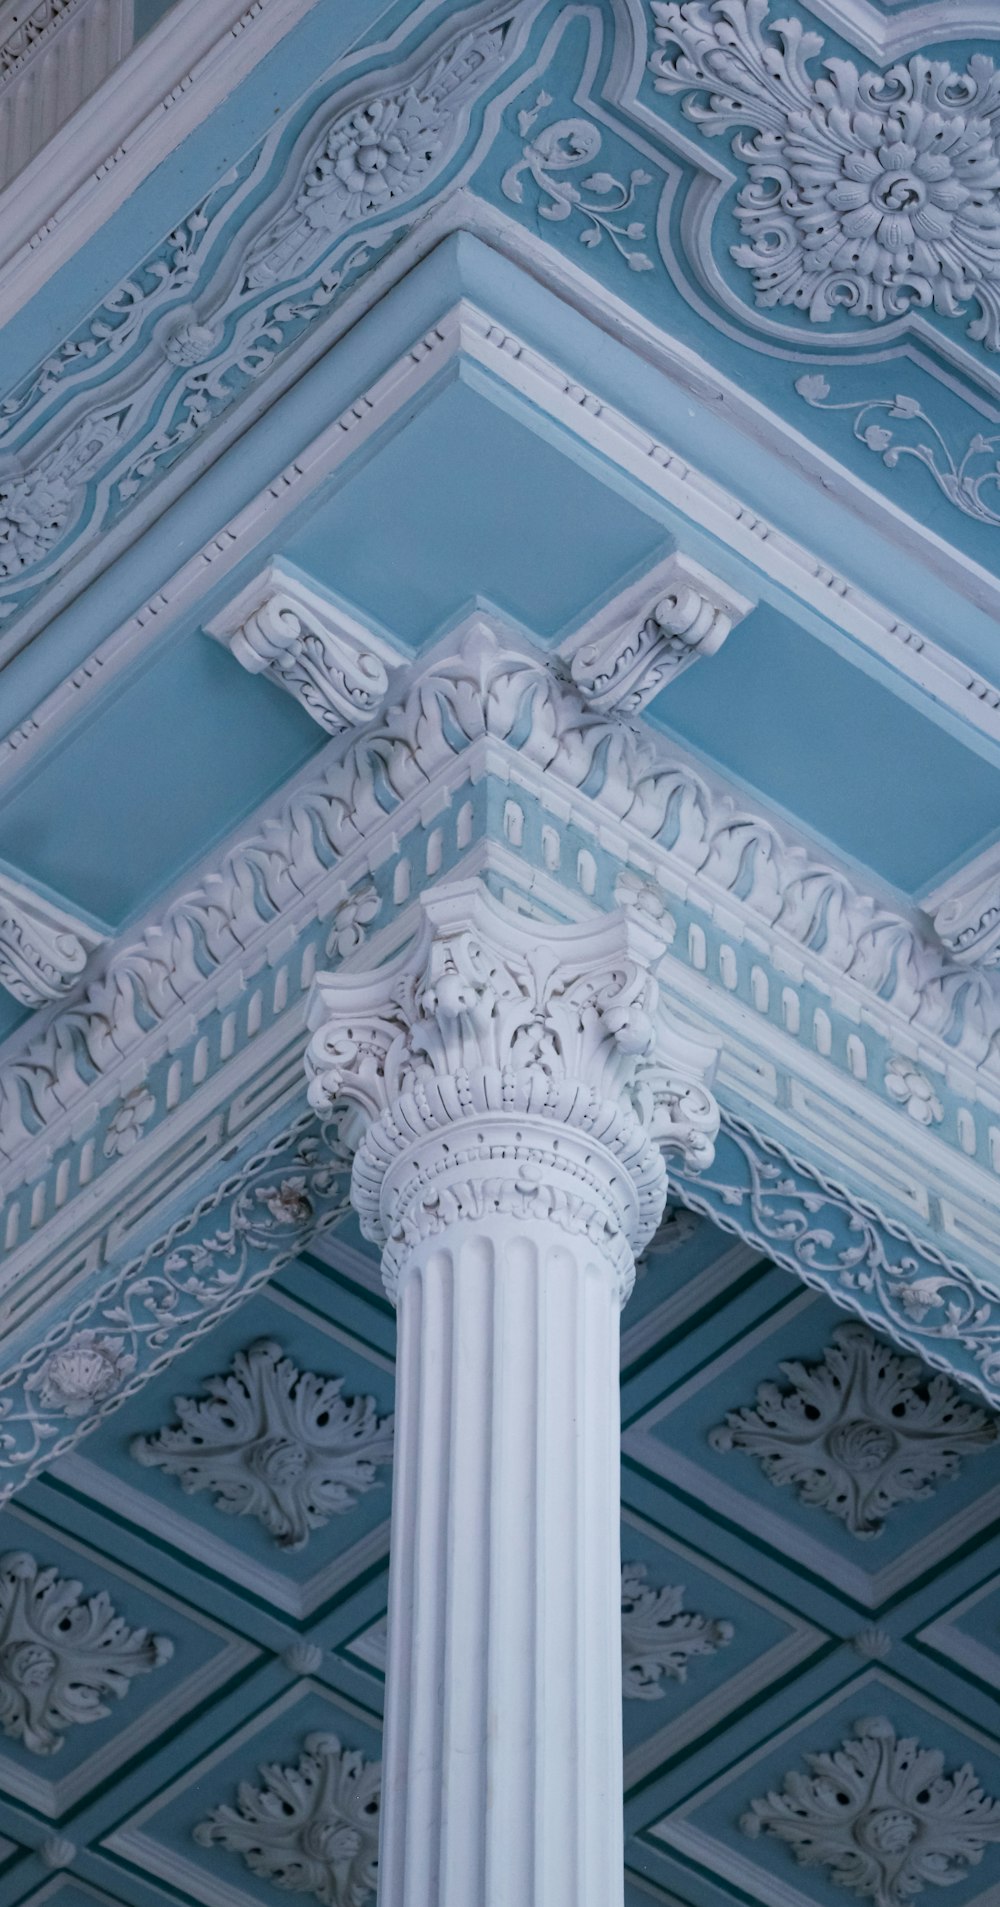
508	1087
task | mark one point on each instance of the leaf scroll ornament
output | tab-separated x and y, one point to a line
871	193
602	202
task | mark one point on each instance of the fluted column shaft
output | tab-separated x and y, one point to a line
508	1086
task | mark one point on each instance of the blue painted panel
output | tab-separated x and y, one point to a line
148	13
793	719
156	775
462	502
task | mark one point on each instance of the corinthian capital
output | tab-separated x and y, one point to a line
502	1064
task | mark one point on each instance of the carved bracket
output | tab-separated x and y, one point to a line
332	664
966	911
651	633
43	950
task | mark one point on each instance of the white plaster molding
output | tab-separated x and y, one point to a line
60	1656
965	910
43	948
53	55
568	1019
881	1815
651	633
169	83
274	1442
467	330
311	1828
859	1432
660	1636
883	38
318	653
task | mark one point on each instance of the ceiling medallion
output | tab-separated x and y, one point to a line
860	1432
274	1442
881	1814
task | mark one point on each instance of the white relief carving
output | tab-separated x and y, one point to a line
82	1373
860	1432
492	1015
485	690
872	1644
126	1126
318	654
882	1815
966	911
61	1656
911	1089
351	922
964	480
659	1636
43	950
870	193
312	1828
303	1658
56	1851
689	615
564	146
675	1229
271	1441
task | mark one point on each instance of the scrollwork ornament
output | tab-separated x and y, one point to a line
881	1814
312	1828
660	1637
869	193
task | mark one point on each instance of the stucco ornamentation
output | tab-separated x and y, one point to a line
967	916
881	1814
311	1828
352	920
601	202
507	1020
659	1636
60	1656
125	1127
43	950
910	1087
270	1441
689	617
859	1432
291	638
88	1368
869	193
964	479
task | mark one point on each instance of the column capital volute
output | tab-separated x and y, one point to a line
505	1064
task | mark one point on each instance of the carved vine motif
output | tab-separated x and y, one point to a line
60	1656
274	1442
964	480
659	1636
601	202
869	193
882	1815
310	1829
859	1432
366	166
242	1232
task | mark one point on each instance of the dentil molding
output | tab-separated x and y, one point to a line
321	655
43	949
479	1069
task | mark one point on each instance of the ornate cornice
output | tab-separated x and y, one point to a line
677	615
508	1066
280	628
43	949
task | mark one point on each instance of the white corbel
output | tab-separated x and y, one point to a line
43	949
651	633
318	652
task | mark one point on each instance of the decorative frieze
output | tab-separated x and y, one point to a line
280	628
311	1828
890	182
43	949
660	1637
859	1432
682	613
276	1443
880	1814
61	1656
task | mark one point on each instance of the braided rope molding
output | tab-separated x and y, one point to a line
171	977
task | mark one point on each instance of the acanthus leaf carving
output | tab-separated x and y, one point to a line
859	1432
43	950
881	1814
276	1443
660	1636
556	1029
281	629
870	193
685	615
311	1828
61	1656
604	204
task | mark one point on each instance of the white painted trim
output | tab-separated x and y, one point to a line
914	27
